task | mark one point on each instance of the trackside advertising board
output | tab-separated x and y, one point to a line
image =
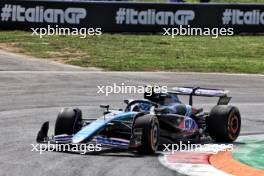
130	17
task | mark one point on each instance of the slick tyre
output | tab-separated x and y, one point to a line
149	125
224	123
68	121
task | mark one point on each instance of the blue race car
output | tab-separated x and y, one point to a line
146	124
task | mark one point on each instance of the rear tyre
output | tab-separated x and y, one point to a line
224	123
68	121
149	125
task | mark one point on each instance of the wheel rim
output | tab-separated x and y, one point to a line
154	136
233	126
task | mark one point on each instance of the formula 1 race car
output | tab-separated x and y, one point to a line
145	124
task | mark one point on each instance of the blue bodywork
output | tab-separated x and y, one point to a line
90	130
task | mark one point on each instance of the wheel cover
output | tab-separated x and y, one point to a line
154	136
233	126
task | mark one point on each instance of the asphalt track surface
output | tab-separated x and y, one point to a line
32	92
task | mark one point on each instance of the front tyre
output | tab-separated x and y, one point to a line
224	123
68	121
149	125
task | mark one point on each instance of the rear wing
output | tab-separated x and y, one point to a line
204	92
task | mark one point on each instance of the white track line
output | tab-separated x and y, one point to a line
137	72
192	169
197	167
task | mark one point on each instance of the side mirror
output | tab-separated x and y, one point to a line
128	101
104	106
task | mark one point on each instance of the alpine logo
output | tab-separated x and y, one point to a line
188	124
